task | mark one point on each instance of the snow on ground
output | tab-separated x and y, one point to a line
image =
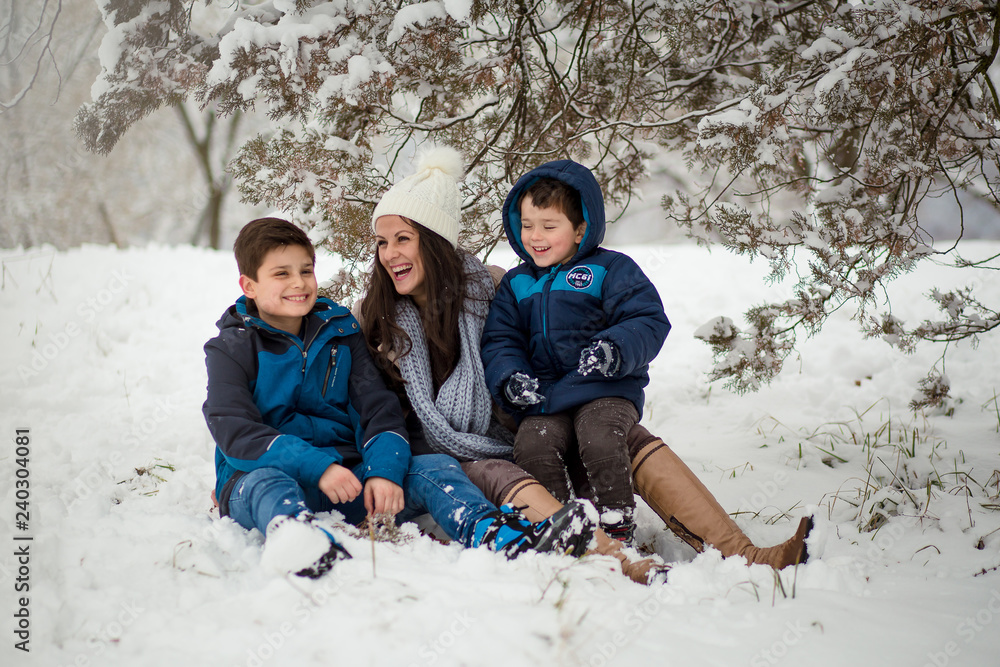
103	363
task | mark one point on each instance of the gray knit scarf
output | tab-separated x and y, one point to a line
459	421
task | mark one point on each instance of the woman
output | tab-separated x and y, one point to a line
423	315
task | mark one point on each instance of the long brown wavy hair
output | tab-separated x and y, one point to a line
445	284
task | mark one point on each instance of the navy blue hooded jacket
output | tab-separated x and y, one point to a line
542	318
299	404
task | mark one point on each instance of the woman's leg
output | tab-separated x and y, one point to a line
437	485
537	504
690	510
496	478
540	450
504	483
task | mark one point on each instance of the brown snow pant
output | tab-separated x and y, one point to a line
596	435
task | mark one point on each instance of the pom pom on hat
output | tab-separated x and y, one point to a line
443	158
430	196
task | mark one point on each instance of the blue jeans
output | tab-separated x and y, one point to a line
434	484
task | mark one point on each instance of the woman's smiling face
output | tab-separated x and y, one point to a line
398	244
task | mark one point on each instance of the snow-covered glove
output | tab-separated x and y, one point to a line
521	390
601	356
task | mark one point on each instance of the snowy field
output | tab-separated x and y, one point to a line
102	363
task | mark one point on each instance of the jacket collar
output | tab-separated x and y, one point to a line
244	313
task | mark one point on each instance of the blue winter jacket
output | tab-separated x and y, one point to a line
299	404
542	318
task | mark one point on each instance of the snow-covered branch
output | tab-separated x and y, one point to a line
850	114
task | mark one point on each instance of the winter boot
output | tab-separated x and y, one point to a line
301	546
644	571
618	524
690	510
533	500
537	504
568	531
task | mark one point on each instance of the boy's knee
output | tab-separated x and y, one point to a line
541	438
533	448
612	412
263	480
266	475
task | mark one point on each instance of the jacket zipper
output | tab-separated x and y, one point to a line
306	343
291	339
333	362
304	347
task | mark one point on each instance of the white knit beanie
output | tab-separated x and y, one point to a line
430	196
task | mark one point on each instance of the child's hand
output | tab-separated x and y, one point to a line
383	496
339	484
601	356
521	390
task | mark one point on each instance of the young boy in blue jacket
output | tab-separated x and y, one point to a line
569	338
303	423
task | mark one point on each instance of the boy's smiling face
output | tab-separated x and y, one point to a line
547	234
285	289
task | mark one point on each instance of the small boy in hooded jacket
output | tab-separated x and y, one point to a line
568	341
304	423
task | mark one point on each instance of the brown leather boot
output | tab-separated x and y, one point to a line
533	500
642	570
536	504
690	510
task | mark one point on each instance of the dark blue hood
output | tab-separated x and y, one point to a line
576	176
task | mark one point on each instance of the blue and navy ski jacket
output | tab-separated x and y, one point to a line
543	318
299	404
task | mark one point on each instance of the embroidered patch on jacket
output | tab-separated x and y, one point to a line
580	277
